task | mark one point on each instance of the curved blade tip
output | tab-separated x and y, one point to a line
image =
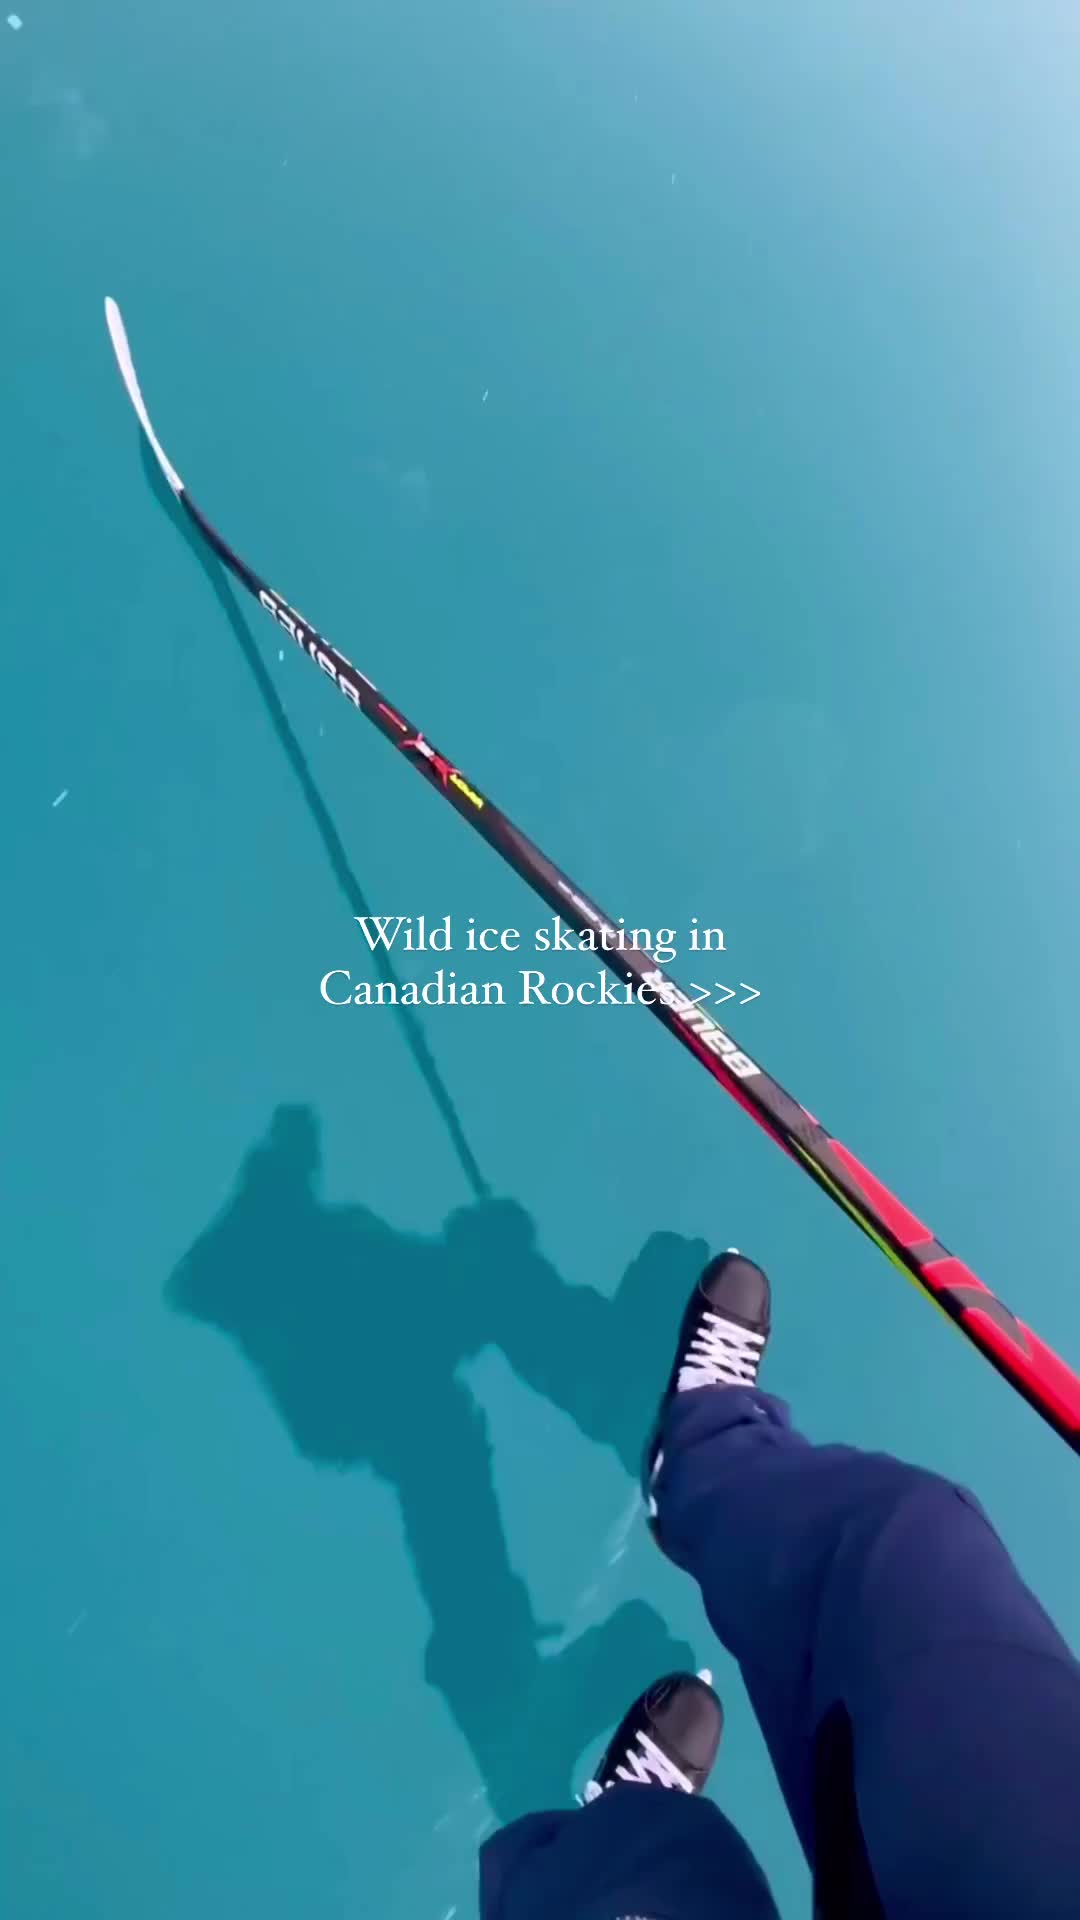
122	349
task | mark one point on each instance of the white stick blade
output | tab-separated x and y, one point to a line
122	350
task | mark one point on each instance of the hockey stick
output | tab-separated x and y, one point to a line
1050	1386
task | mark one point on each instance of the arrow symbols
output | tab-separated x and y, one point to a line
699	993
727	993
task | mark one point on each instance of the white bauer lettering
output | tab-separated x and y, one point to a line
305	638
703	1026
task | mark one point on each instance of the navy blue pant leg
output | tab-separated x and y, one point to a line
637	1851
916	1700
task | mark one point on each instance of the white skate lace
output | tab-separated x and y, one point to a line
720	1354
647	1768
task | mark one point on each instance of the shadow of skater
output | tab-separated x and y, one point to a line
319	1297
357	1331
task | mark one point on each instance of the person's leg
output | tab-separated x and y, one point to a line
884	1635
637	1852
643	1844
